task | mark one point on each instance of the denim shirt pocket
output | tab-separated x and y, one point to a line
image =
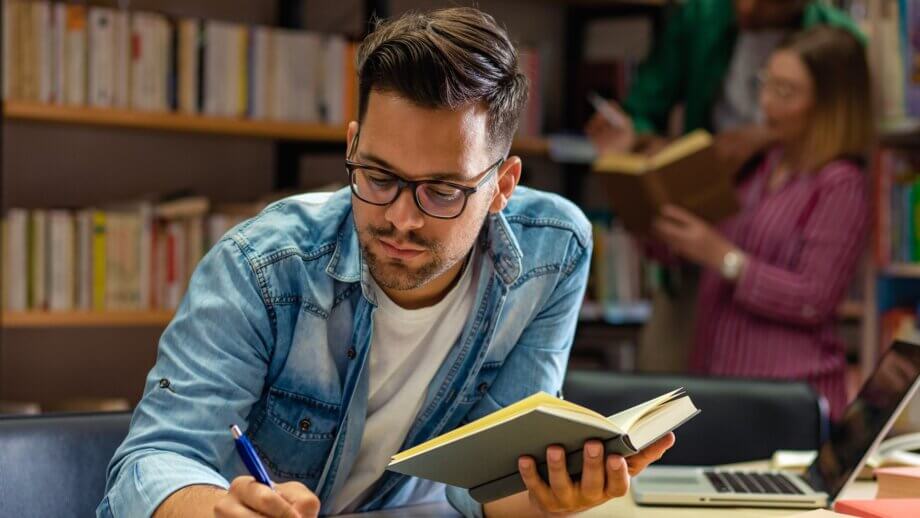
487	374
299	432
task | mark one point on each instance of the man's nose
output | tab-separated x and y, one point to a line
403	213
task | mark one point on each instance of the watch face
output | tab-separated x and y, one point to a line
731	265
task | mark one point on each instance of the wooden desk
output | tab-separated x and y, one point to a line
626	508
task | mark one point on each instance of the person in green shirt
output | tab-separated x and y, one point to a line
707	60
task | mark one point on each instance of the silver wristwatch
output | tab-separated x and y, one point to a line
732	262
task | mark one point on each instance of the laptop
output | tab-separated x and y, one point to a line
866	421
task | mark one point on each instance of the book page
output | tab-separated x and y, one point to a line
684	146
661	420
628	418
538	400
629	163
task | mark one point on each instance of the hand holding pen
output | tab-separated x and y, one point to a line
257	495
609	129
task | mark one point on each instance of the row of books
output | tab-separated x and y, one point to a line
898	208
70	54
619	278
893	30
135	256
101	57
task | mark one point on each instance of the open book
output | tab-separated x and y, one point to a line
684	173
482	456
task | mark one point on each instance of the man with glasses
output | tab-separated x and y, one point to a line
338	330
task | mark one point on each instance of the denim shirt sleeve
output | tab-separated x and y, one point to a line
210	369
538	360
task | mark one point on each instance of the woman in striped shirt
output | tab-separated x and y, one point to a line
774	274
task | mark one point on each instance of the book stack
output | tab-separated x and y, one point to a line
619	275
75	55
131	256
886	508
898	482
892	30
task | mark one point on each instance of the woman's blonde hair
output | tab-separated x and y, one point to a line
842	122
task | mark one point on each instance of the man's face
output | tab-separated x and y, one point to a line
403	247
768	14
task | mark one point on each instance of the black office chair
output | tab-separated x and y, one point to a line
54	465
740	419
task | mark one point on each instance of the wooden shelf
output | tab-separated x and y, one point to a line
40	319
910	270
165	121
530	146
182	123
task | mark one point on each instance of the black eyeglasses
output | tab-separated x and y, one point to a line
436	198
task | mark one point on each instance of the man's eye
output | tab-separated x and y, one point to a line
379	180
445	194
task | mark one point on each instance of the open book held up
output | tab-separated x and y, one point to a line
482	456
685	173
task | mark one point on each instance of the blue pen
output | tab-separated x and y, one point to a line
250	459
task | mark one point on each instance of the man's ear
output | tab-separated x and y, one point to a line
509	174
350	136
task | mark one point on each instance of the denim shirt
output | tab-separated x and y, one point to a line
274	332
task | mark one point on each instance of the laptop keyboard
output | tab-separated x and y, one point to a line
751	482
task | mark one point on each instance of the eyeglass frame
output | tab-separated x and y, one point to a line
402	183
763	81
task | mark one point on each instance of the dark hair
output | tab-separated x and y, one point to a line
842	122
446	59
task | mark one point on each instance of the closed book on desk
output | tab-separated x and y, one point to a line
898	482
685	173
482	456
885	508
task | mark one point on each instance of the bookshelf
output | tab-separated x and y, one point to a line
36	129
183	123
903	270
41	319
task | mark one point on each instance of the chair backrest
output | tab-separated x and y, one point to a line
55	465
740	420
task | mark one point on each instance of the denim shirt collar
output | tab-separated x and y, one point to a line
346	264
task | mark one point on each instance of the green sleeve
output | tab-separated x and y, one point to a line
659	83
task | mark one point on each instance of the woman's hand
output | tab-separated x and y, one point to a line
691	237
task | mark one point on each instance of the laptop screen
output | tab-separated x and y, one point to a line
866	418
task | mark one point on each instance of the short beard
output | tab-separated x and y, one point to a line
396	276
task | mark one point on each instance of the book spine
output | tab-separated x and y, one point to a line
201	42
9	71
121	57
75	54
242	71
172	70
101	57
145	256
38	266
59	57
18	259
27	58
188	65
99	260
41	17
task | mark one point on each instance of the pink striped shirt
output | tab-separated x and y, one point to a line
803	243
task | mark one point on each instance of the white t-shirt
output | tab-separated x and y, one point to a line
407	348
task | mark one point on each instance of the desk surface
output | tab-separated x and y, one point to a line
626	508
